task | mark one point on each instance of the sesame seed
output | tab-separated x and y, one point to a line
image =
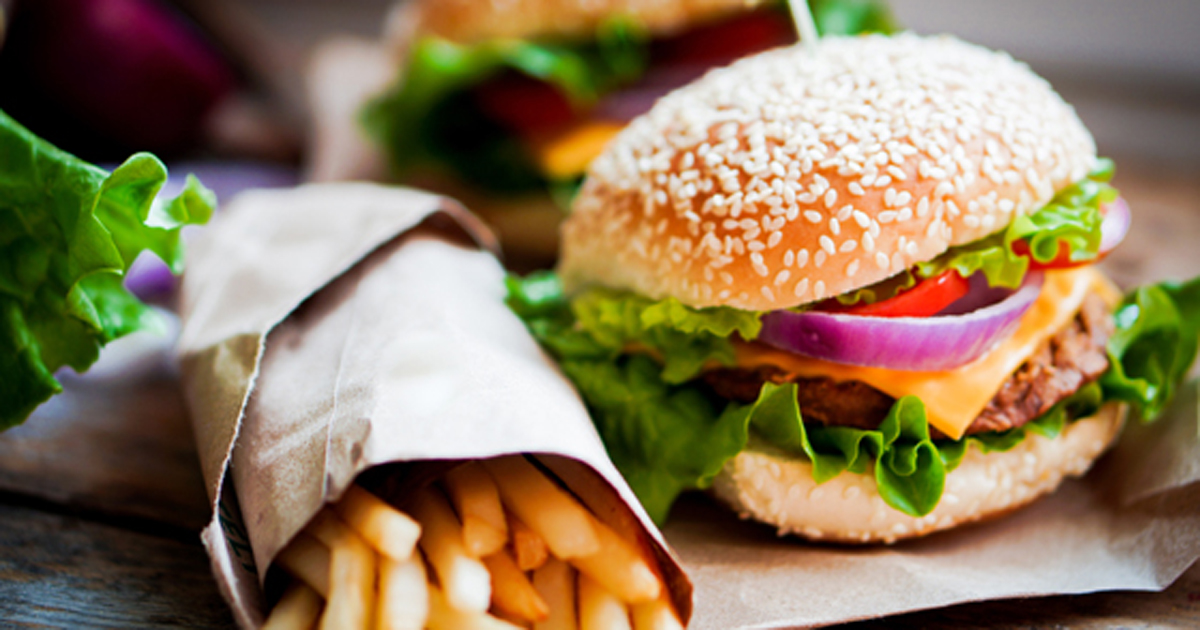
881	259
830	198
856	189
852	269
819	289
835	226
887	216
883	182
801	287
819	259
813	216
827	244
782	277
848	245
868	242
801	259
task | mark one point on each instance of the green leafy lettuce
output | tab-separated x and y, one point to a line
68	233
667	434
1154	345
1072	217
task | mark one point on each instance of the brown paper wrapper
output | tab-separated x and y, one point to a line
338	327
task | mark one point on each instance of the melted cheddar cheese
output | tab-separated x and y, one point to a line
568	154
954	398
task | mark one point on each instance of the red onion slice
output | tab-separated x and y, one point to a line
1115	225
941	342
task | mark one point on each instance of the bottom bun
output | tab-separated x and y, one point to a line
768	485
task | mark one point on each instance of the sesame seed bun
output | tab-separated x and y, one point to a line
789	177
472	20
763	483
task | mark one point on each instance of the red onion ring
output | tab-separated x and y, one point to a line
1115	226
941	342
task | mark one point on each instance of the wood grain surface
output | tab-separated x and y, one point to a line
101	499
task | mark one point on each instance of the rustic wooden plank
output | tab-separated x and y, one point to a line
119	447
60	571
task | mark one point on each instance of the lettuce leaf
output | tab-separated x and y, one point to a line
853	17
602	323
1072	217
1154	345
68	233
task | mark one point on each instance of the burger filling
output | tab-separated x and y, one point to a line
1072	358
676	391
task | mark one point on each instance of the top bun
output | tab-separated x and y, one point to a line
789	177
472	20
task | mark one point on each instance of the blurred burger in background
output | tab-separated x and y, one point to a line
504	104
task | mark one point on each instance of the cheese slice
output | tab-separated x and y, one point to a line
568	154
954	398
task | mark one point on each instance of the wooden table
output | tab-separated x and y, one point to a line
101	498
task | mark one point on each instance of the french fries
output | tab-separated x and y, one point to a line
555	582
464	579
620	568
298	609
528	547
655	615
403	594
477	501
512	594
308	560
390	531
600	609
547	509
492	545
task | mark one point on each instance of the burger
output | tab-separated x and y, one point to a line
851	290
503	104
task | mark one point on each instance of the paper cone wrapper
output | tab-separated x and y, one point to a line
337	327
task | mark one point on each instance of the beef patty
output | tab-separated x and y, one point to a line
1067	361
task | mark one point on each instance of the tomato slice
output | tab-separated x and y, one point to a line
724	41
928	297
525	105
1061	260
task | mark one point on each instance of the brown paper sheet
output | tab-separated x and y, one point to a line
1133	523
323	337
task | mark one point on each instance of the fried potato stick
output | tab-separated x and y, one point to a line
298	609
464	579
352	561
308	560
555	515
619	567
656	615
512	594
529	548
389	530
477	501
555	582
403	594
600	609
443	616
